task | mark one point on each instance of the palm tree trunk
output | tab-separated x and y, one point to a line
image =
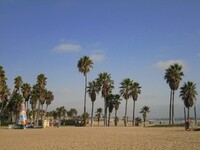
109	119
144	117
195	114
105	112
185	118
38	111
188	117
27	104
115	117
92	113
46	107
85	93
3	108
170	108
98	121
173	119
125	117
133	121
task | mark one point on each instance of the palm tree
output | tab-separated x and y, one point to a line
173	76
135	90
85	117
125	92
33	101
61	111
106	86
43	97
4	92
98	114
116	105
93	89
111	104
84	65
72	113
18	83
188	94
49	98
41	83
14	105
26	91
144	112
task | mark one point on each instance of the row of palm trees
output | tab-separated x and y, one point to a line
104	84
129	88
188	92
37	96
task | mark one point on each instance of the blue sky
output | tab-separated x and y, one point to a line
135	39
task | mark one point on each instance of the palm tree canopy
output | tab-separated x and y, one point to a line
41	81
106	83
173	75
135	89
84	65
188	93
111	102
99	110
145	109
49	97
2	78
15	102
117	100
26	91
125	88
93	88
18	82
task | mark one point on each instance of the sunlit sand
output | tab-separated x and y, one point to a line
61	138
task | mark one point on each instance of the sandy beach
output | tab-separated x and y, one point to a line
89	138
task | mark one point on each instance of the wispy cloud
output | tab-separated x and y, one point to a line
97	57
67	47
165	64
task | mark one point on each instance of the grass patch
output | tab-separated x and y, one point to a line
5	124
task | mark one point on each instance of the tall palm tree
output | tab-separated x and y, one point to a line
93	89
116	105
144	112
26	91
2	80
111	104
98	114
84	65
4	92
135	90
41	83
188	94
43	97
106	85
34	101
14	105
18	83
125	92
173	76
49	98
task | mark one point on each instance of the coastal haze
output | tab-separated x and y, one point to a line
135	39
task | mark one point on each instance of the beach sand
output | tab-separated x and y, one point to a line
102	138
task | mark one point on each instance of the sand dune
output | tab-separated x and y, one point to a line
90	138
